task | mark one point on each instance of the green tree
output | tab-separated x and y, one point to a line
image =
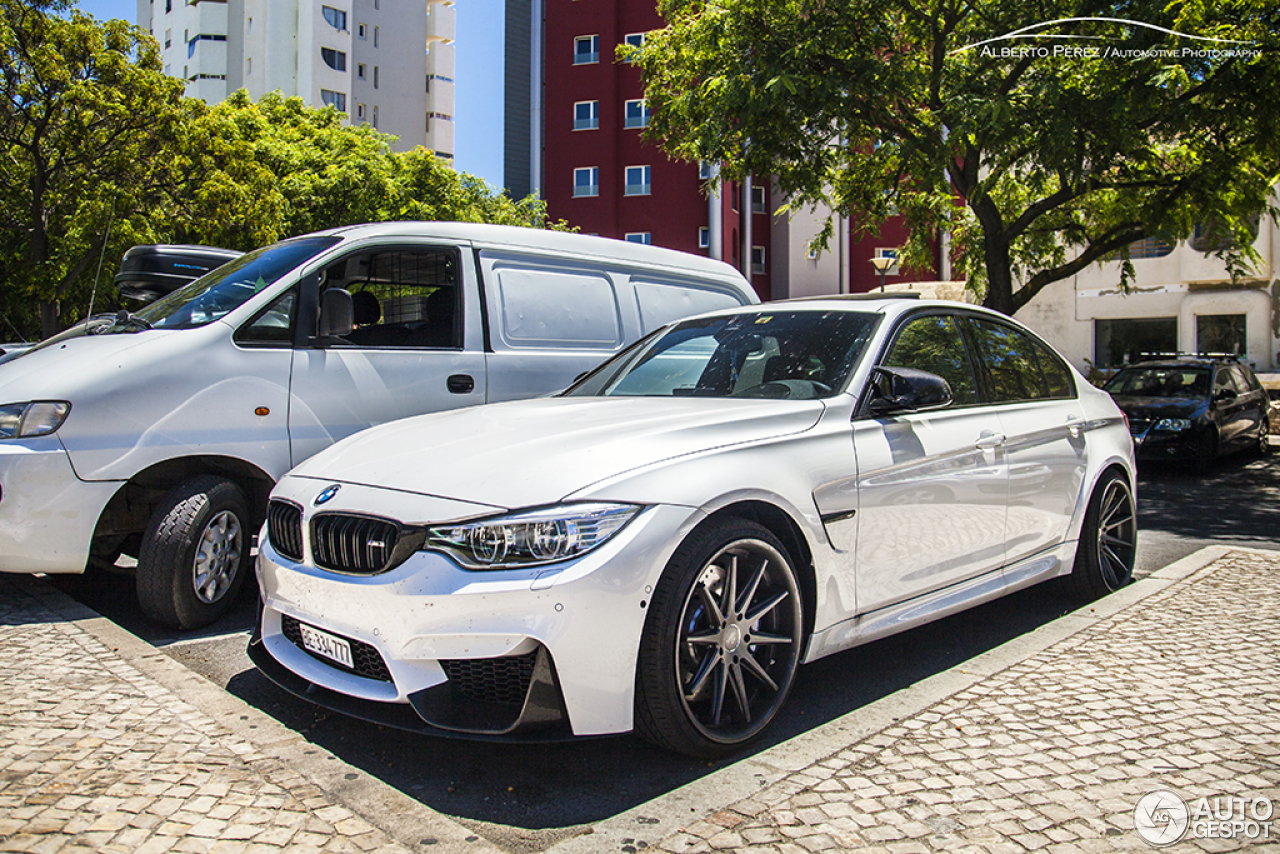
895	107
84	116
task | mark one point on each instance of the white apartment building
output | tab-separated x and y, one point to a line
387	63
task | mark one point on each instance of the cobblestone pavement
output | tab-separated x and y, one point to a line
96	755
1178	692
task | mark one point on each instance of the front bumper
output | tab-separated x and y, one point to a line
47	514
1155	444
574	628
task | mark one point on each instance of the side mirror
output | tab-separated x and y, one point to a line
907	390
337	315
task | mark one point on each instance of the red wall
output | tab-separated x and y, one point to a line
675	208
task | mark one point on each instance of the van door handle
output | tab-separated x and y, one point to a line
461	383
989	441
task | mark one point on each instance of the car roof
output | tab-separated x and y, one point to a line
1187	362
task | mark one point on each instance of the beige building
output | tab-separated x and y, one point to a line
387	63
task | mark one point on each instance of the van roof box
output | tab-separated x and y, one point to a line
150	271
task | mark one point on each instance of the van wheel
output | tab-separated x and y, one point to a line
1108	541
721	643
195	553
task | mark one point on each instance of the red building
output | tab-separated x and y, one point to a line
575	118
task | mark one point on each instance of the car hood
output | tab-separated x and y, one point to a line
534	452
52	371
1161	407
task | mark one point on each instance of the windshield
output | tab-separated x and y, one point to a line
221	291
1160	382
781	355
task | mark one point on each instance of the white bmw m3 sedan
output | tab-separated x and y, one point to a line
661	546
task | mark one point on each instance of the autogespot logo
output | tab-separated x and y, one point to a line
1161	818
327	495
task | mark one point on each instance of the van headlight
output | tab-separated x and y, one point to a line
39	418
532	537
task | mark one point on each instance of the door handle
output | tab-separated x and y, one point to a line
461	383
989	441
1075	425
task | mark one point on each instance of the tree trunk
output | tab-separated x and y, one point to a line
48	318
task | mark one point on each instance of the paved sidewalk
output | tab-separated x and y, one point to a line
1046	743
1172	684
107	745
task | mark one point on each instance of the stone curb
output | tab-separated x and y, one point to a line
665	815
404	819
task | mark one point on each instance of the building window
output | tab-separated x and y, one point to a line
704	237
1121	341
360	111
1221	335
635	40
733	197
168	6
586	115
757	200
586	181
202	37
337	100
638	237
375	77
757	259
362	32
335	59
704	170
1150	247
360	70
336	18
637	181
637	114
1213	237
586	50
168	38
375	36
375	116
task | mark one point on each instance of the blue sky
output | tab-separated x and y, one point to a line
478	110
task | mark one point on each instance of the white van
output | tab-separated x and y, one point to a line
159	434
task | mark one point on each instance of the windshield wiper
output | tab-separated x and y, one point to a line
122	322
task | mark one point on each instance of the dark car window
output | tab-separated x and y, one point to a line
1009	358
935	344
1165	381
402	297
1056	374
1240	377
273	326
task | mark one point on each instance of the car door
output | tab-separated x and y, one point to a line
931	485
1042	420
416	345
1253	405
1230	409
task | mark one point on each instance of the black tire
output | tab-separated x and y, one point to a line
195	553
1263	446
710	679
1108	540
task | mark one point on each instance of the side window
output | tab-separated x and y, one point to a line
1009	358
934	343
273	326
1242	384
401	297
1056	375
1222	380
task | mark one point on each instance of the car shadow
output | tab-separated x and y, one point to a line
1238	500
536	787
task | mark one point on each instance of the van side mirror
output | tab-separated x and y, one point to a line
906	390
337	316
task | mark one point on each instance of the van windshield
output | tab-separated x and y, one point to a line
221	291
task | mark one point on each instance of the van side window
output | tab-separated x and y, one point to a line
935	344
401	297
273	326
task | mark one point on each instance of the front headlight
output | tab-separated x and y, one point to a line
533	537
1173	425
40	418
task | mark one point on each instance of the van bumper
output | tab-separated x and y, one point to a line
47	514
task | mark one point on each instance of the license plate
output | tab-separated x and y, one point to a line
323	643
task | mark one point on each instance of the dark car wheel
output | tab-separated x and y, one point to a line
195	553
1263	446
1108	540
721	643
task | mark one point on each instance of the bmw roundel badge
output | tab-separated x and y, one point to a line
326	495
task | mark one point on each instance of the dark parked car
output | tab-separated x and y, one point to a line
1192	409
